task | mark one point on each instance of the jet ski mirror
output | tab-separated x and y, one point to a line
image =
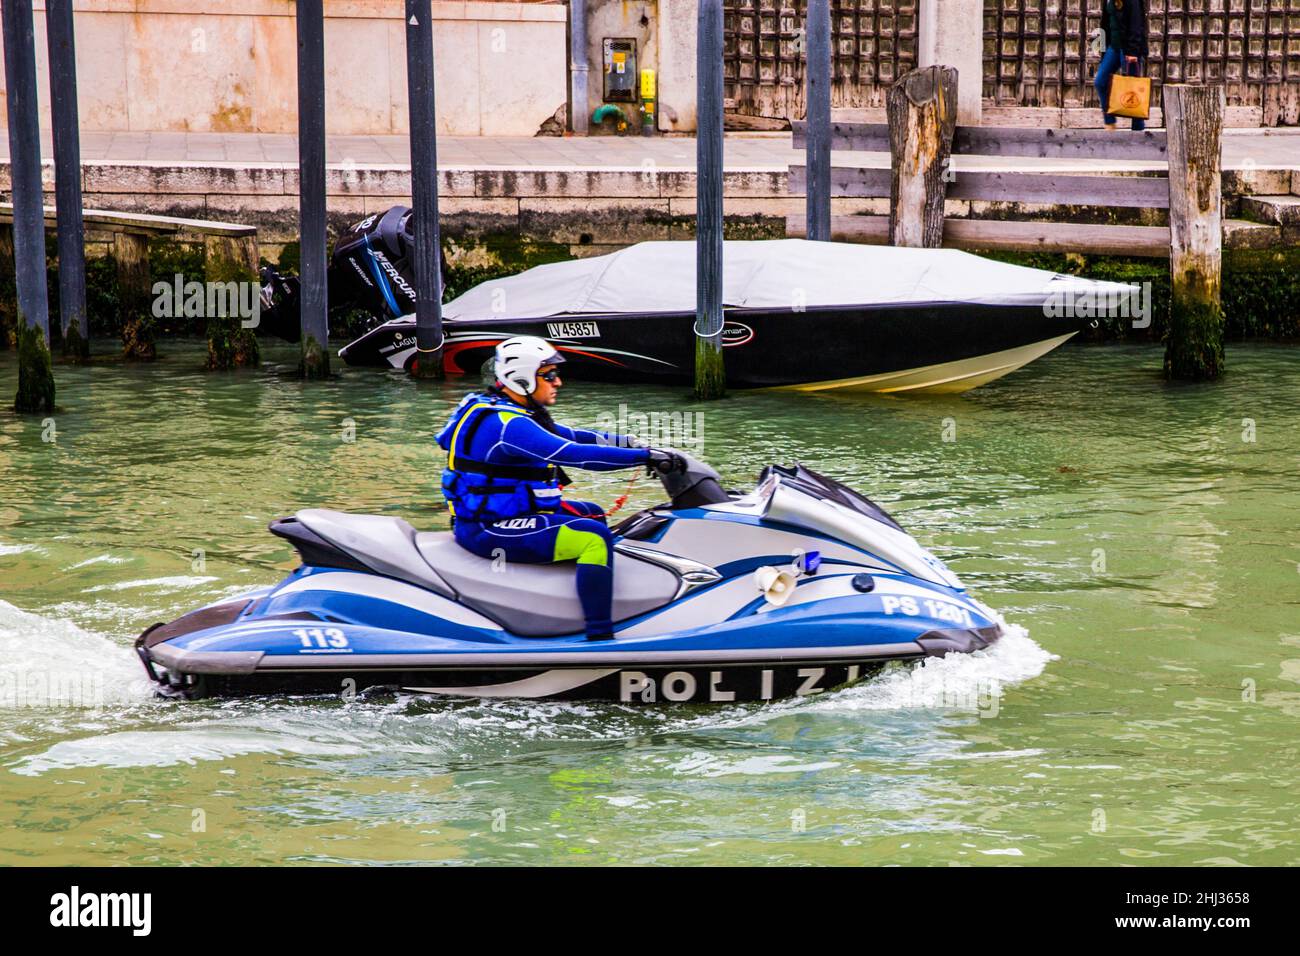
698	485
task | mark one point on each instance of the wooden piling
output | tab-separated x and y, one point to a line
710	372
1194	119
35	378
314	295
134	296
424	191
67	178
232	261
922	110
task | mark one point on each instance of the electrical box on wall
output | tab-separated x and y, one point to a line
621	74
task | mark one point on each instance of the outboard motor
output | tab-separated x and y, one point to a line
281	310
372	265
372	268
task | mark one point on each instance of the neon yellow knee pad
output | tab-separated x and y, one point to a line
587	547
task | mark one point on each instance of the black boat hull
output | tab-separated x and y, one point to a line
943	347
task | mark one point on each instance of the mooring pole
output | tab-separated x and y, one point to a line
314	295
578	69
424	190
710	373
67	178
817	42
1194	119
35	376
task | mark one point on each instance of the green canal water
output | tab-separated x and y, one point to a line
1142	538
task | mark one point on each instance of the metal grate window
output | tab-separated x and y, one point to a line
1036	51
873	43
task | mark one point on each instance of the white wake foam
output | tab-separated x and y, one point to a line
962	682
52	662
168	748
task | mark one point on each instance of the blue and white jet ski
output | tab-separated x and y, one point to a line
797	587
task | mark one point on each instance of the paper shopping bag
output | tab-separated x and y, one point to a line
1130	96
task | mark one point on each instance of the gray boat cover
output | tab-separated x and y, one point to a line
773	273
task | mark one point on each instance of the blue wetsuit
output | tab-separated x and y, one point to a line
502	485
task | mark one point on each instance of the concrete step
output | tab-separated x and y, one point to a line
1241	234
1280	210
1254	181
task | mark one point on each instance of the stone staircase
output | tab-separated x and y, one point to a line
1268	204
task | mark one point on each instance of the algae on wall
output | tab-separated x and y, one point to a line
467	261
167	258
231	343
1260	294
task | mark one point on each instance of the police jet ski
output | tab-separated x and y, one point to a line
794	588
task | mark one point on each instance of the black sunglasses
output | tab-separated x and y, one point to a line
552	376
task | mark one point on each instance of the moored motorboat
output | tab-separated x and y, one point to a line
798	315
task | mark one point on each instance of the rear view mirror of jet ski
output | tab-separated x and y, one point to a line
793	588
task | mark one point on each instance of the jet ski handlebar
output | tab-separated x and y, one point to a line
693	486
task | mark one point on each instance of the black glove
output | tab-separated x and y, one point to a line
665	462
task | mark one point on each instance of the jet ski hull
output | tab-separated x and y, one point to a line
637	680
254	646
634	685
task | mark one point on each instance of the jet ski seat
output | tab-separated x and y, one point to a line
384	544
531	600
541	600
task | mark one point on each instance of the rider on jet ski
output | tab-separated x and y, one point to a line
504	474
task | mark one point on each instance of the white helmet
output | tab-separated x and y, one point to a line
519	358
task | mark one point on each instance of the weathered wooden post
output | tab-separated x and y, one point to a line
424	191
67	178
231	261
35	376
922	109
1194	120
314	296
134	295
817	41
710	372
